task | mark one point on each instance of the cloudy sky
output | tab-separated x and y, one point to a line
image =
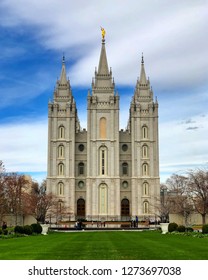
172	35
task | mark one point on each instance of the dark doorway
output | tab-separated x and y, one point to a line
125	207
81	207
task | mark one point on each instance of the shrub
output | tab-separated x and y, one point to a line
28	230
181	228
1	231
205	228
18	229
37	228
172	227
5	231
189	229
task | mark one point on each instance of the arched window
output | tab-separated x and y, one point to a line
125	168
61	169
61	151
103	160
146	207
144	132
81	168
145	169
145	151
80	207
145	187
59	209
103	199
103	128
60	188
125	209
61	132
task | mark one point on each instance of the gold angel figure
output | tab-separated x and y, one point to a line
103	32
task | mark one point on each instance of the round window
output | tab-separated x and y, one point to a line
124	147
125	184
81	147
81	184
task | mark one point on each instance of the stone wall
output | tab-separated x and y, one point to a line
193	219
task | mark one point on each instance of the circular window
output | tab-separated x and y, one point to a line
81	147
81	184
125	184
124	147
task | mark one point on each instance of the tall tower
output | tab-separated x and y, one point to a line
103	183
143	125
63	123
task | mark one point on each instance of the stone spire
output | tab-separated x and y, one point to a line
143	79
103	76
103	63
63	89
143	93
63	79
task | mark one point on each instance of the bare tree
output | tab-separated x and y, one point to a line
2	192
163	204
15	186
179	196
198	191
38	202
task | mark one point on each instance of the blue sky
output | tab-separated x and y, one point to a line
172	35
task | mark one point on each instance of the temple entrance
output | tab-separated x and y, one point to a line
81	207
125	209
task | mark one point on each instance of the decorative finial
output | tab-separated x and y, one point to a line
142	59
103	33
63	58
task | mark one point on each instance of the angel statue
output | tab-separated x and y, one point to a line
103	32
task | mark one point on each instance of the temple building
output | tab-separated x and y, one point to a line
103	172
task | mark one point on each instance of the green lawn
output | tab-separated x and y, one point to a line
120	245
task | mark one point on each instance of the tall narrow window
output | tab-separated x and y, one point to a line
145	188
61	132
61	151
61	169
103	199
145	169
60	188
145	151
81	168
59	208
103	161
125	168
144	132
103	128
145	207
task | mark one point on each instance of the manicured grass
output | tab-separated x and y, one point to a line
120	245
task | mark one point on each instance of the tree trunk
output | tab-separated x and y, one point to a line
203	219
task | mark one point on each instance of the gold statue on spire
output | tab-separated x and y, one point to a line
103	33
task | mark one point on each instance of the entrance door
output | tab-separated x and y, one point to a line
125	207
81	207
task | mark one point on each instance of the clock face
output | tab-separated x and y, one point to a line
125	184
81	184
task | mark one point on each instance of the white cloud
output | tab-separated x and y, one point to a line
23	145
182	148
171	35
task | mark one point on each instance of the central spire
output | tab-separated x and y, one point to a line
103	76
103	63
